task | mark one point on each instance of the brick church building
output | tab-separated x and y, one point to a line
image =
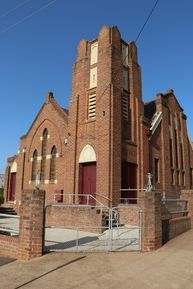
109	139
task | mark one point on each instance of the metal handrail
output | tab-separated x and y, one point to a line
173	200
125	190
9	230
104	197
87	196
9	216
73	205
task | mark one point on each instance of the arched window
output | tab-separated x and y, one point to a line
53	164
34	166
43	161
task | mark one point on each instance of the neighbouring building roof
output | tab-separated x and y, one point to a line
150	109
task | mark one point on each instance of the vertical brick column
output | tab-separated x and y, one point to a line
31	224
188	196
151	221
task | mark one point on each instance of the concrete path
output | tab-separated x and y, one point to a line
170	267
124	238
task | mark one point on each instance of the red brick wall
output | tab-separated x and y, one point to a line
57	130
29	243
188	196
129	215
31	224
9	246
178	226
171	228
151	221
103	133
156	152
163	103
87	219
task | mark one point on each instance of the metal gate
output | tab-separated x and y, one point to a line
126	228
93	229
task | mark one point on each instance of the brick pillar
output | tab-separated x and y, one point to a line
151	221
188	196
31	224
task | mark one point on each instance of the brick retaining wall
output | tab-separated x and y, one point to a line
29	243
9	246
129	215
87	218
171	228
178	226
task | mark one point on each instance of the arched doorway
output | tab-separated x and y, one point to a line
12	185
87	174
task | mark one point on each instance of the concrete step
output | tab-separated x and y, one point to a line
9	211
7	205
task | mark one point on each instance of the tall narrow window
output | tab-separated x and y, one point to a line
182	156
178	178
43	162
176	149
183	179
156	170
34	166
93	77
94	53
191	178
53	164
124	54
179	124
171	154
172	177
169	117
125	79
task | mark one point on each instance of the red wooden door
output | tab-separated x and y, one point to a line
12	187
129	181
88	182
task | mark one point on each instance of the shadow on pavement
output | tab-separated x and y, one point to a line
53	270
5	260
70	244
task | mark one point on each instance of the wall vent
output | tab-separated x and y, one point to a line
125	108
92	106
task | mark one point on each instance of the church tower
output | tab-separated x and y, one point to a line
105	119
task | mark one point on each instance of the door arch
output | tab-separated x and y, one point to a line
12	185
87	174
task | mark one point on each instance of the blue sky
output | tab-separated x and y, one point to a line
36	56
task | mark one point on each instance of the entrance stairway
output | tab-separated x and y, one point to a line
115	218
4	209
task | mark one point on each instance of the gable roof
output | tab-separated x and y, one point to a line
170	93
63	112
